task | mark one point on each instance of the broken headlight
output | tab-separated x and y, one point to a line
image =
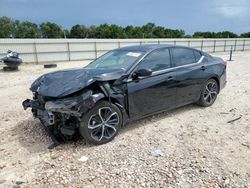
67	104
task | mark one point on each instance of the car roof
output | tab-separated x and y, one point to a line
147	47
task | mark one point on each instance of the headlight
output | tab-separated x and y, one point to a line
69	103
65	104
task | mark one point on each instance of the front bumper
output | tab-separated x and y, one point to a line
28	103
61	117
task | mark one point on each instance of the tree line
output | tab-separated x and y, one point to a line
10	28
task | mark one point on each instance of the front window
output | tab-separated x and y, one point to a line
116	59
157	60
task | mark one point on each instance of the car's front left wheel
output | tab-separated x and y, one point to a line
101	124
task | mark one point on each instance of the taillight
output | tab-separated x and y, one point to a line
225	63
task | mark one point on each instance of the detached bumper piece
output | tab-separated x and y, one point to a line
61	117
28	103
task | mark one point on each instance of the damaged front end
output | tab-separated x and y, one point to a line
61	117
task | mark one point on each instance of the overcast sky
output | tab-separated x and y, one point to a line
190	15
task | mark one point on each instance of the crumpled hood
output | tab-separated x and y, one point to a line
62	83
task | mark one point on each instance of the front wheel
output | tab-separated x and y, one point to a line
101	124
209	93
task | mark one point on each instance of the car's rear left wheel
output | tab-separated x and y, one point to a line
209	93
102	123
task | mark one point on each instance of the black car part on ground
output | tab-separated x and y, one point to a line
50	65
12	60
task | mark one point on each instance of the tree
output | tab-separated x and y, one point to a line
79	31
51	30
170	33
226	34
7	27
106	31
223	34
147	30
245	35
27	30
15	29
116	31
187	36
65	33
159	32
133	32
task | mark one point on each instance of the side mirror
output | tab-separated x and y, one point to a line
143	73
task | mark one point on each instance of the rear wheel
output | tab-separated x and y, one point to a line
101	124
209	93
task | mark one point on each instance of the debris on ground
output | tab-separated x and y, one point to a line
83	158
246	144
236	119
179	136
157	153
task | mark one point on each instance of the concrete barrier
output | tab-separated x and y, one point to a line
53	50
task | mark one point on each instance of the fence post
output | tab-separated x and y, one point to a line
174	42
214	45
235	44
244	43
35	53
188	43
201	45
95	49
119	44
159	42
68	49
225	45
231	54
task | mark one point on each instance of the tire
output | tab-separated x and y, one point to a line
10	69
209	93
50	65
96	130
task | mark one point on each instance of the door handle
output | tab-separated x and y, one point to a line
170	78
203	68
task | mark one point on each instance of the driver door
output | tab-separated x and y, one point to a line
154	93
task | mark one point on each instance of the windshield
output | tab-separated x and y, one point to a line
116	59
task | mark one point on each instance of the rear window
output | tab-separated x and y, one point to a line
197	55
183	56
207	57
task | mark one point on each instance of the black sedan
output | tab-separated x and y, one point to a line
124	84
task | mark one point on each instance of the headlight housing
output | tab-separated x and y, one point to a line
67	104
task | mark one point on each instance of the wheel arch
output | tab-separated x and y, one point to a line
217	80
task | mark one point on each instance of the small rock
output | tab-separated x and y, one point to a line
19	182
245	144
179	136
2	181
53	156
157	153
2	166
83	158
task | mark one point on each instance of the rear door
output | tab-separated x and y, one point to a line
189	74
156	92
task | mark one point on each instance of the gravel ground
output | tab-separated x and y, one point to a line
187	147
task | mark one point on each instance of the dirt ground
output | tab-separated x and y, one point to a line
197	146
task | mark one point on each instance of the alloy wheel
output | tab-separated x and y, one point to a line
103	125
210	92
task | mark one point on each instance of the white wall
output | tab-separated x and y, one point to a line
48	50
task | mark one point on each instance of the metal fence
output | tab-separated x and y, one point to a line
51	50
